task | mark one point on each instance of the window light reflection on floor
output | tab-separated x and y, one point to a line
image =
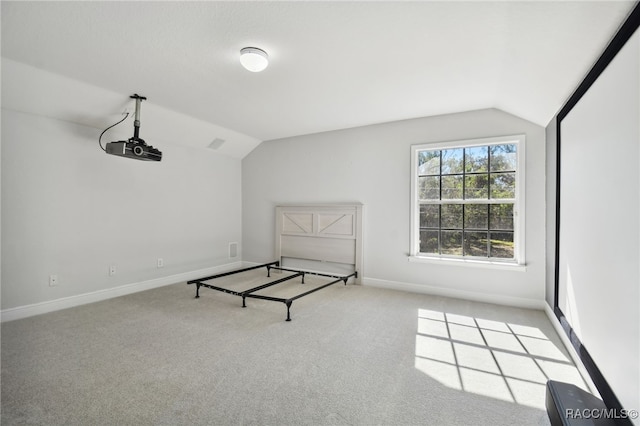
510	362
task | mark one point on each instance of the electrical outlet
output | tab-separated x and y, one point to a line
53	280
112	270
160	262
233	250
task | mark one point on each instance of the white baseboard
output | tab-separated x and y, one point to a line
518	302
97	296
572	352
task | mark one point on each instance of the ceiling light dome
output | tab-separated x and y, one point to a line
254	59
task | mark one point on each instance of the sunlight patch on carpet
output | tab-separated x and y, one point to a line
505	361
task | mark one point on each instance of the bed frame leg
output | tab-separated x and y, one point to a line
268	271
288	303
303	274
244	305
197	291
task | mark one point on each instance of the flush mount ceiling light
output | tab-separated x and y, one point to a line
254	59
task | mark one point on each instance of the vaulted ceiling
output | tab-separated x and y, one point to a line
333	65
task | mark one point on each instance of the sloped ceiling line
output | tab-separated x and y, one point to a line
334	65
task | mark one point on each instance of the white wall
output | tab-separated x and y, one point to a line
551	147
599	281
372	165
70	209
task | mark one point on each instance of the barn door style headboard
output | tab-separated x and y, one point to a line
320	237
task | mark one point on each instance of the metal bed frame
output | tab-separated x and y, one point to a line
276	266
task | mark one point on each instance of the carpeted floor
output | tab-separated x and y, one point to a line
353	355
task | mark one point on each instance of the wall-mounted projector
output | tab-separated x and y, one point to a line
134	147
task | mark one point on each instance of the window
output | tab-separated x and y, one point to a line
467	200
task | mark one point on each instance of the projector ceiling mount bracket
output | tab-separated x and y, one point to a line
136	120
134	147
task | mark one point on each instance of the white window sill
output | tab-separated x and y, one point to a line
509	266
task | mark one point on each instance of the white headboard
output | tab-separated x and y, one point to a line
320	237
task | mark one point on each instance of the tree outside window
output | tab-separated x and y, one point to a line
466	199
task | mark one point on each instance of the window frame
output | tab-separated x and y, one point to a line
518	204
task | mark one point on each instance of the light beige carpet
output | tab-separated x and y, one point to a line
353	355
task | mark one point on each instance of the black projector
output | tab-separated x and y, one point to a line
136	149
